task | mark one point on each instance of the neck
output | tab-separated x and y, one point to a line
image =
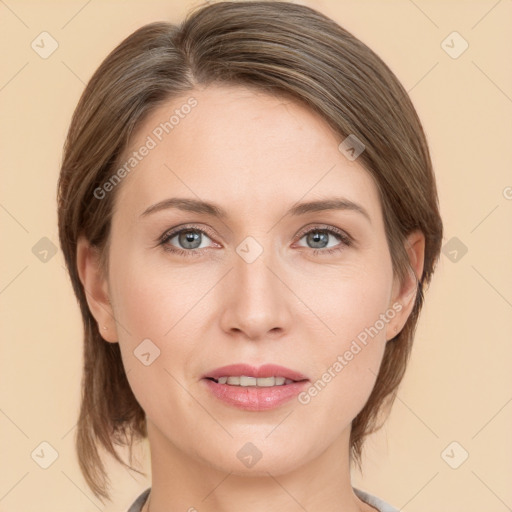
184	481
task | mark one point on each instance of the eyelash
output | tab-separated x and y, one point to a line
344	238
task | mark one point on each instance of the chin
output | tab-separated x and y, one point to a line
255	458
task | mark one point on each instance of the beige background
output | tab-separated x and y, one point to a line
458	386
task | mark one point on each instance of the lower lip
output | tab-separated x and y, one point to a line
252	398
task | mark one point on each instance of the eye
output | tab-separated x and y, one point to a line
190	240
186	241
325	239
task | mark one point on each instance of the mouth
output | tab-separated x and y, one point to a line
255	389
245	375
246	381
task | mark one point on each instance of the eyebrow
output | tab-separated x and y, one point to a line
208	208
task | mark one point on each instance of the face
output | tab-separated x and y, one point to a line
288	264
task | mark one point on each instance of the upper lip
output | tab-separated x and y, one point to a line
267	370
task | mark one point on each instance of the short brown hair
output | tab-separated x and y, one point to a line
277	47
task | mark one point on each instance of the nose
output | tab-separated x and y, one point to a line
256	303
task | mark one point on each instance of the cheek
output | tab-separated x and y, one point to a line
349	301
153	299
355	308
152	309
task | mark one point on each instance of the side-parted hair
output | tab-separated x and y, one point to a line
280	48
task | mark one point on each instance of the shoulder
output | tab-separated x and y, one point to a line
373	501
139	502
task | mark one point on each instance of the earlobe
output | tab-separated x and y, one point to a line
404	294
96	289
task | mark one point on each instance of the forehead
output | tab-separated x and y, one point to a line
241	147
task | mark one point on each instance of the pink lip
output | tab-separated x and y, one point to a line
253	398
267	370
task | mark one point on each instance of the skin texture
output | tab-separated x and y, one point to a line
256	156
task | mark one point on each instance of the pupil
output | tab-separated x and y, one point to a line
317	237
188	239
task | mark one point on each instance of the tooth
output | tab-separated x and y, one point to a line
247	381
244	381
265	382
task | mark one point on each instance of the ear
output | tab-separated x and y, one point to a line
404	294
96	289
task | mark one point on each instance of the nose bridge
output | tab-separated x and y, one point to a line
253	277
257	302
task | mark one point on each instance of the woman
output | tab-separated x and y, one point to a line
249	216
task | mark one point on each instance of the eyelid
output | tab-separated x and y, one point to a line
170	233
343	235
